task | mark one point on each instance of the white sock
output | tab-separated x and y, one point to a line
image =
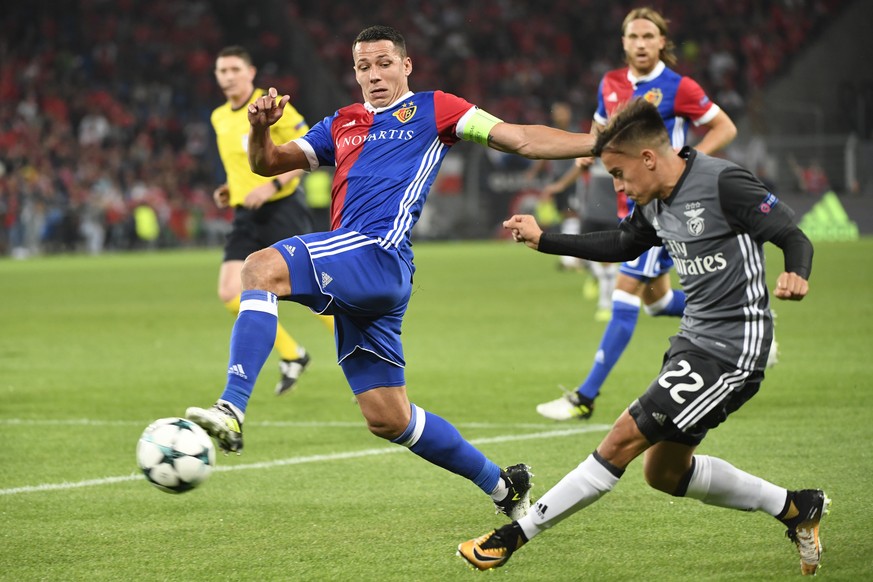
571	225
239	413
605	273
579	488
500	491
717	482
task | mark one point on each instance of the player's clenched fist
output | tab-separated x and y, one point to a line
791	286
265	110
524	228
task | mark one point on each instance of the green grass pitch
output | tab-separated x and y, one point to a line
94	348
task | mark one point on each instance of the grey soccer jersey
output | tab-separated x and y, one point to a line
714	225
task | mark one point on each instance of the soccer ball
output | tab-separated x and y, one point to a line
175	454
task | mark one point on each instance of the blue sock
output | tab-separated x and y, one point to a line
250	344
435	440
616	337
673	304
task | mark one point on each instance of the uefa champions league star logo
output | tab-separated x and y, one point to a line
695	221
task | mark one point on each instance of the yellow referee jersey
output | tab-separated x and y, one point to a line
232	135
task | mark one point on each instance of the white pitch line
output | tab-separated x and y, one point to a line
265	423
64	486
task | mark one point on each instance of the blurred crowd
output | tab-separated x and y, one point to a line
516	58
101	112
105	142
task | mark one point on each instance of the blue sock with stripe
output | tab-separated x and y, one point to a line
437	441
251	342
616	337
673	304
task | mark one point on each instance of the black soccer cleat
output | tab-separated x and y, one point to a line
803	529
517	500
289	373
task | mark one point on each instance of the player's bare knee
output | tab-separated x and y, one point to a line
266	270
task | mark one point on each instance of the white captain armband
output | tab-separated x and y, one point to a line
477	127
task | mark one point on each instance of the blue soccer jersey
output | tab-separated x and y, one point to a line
679	99
386	161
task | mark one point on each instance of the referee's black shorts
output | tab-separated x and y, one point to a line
253	230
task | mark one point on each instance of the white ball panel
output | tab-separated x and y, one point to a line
164	474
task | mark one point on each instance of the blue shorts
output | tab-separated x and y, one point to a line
654	262
366	288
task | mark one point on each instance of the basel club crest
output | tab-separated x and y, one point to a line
654	96
405	113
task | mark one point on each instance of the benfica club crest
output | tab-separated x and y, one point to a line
654	96
405	113
695	221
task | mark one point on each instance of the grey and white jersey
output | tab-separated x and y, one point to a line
714	225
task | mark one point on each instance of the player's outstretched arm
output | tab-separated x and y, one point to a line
265	157
540	141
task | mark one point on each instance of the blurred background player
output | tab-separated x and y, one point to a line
559	192
645	281
266	210
580	212
594	209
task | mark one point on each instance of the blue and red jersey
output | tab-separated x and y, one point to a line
680	100
386	161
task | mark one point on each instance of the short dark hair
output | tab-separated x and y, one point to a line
236	51
381	32
638	123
